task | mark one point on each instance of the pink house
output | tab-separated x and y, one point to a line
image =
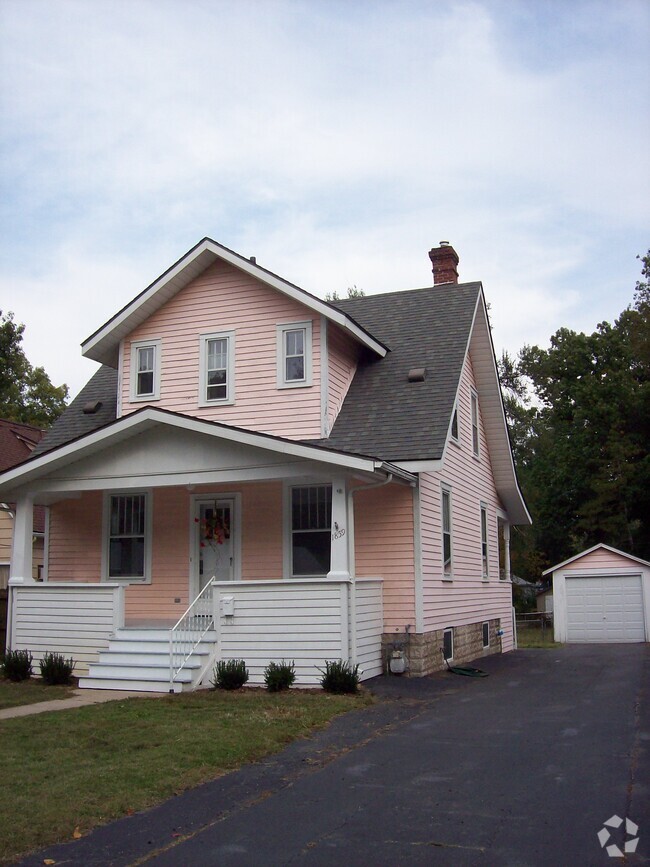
256	473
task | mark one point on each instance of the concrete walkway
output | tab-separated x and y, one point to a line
81	698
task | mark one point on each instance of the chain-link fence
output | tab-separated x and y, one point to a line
535	629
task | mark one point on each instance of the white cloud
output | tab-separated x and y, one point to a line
337	142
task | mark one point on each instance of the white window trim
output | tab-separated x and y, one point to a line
148	535
455	439
446	489
483	625
203	361
281	329
485	567
476	447
157	352
287	569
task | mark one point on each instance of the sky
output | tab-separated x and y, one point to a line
335	140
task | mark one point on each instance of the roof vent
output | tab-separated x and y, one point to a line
253	260
92	407
417	374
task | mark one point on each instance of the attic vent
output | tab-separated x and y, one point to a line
92	407
417	374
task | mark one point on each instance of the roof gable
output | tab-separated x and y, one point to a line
600	547
103	344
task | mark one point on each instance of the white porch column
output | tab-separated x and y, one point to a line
339	561
22	545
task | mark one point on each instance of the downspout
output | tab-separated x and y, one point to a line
352	560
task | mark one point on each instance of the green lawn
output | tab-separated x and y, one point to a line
70	770
530	636
29	692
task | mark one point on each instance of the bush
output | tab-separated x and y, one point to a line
279	675
340	677
56	669
230	674
17	665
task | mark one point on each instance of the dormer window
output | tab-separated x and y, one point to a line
294	354
145	370
454	425
217	380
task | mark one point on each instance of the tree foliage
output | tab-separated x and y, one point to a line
26	392
579	417
353	292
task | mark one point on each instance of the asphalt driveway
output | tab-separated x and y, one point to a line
520	768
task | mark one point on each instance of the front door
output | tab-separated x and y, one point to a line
213	541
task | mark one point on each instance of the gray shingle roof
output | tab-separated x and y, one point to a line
73	422
384	414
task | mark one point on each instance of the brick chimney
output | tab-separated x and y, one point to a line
445	263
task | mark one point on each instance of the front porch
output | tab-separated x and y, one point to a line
164	510
306	621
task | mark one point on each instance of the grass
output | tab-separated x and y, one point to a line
529	636
65	772
30	692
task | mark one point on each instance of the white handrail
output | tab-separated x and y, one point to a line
186	635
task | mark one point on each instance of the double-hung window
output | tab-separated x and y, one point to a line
128	532
446	533
145	370
484	541
217	381
294	354
475	436
311	530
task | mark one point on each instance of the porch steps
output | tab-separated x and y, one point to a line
138	660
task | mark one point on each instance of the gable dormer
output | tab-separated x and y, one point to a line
218	337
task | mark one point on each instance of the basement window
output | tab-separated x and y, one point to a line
486	634
448	643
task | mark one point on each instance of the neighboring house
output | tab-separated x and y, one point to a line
17	442
287	478
523	593
545	600
601	595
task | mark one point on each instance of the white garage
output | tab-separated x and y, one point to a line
602	596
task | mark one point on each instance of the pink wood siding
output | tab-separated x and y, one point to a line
467	598
383	533
75	544
343	354
602	559
225	299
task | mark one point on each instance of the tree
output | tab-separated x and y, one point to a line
26	393
353	292
581	446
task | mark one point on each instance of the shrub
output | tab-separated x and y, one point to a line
229	674
56	669
340	677
17	665
279	675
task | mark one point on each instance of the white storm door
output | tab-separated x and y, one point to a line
213	541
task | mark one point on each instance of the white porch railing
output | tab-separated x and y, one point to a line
186	634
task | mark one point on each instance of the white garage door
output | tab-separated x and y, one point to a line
605	609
